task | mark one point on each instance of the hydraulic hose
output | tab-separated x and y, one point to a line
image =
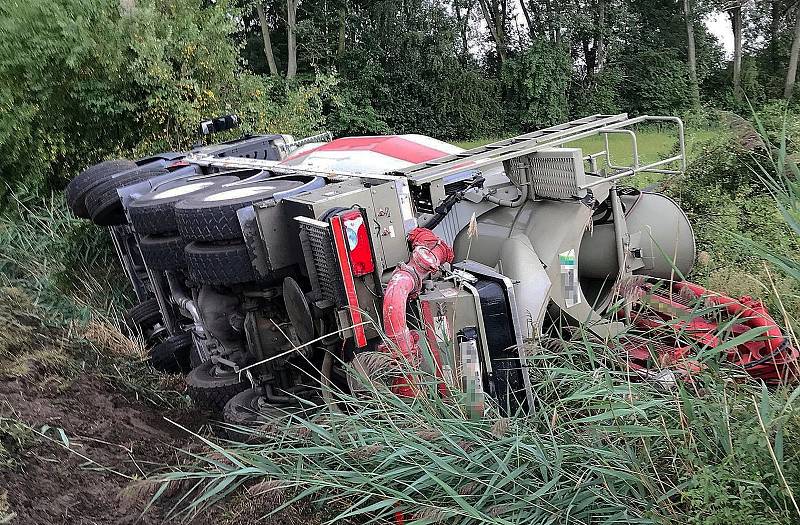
428	253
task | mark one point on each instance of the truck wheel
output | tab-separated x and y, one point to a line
172	354
163	254
144	319
211	387
87	179
246	408
154	212
220	263
103	202
211	216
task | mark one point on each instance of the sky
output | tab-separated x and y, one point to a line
719	24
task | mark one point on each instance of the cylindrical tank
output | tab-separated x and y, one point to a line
660	229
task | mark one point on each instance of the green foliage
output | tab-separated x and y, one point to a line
656	82
724	194
86	80
411	80
535	85
602	96
60	75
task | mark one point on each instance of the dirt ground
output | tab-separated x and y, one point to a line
75	428
118	437
83	421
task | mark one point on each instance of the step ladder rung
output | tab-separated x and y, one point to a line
507	148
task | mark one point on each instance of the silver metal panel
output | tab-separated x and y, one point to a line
553	174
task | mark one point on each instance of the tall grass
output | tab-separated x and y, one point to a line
597	448
66	268
66	264
779	173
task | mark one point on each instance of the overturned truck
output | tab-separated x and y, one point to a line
266	267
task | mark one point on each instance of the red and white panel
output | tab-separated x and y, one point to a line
377	154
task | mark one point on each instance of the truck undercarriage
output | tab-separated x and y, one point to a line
270	270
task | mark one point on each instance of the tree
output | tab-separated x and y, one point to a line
691	52
735	13
262	20
291	38
791	72
496	14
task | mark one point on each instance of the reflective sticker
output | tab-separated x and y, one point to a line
406	210
569	278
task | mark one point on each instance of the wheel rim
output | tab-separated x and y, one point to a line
238	193
180	190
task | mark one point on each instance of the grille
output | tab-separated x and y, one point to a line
555	174
326	278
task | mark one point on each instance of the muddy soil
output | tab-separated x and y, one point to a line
83	422
111	440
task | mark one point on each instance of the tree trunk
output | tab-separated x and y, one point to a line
342	32
463	25
528	19
600	43
291	36
791	73
688	14
262	19
495	24
736	21
774	27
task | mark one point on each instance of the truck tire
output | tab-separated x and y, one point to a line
211	387
220	263
143	319
90	177
172	354
246	410
211	216
103	202
163	254
154	212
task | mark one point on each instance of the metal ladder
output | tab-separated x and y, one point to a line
510	148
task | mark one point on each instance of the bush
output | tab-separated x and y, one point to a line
85	80
726	201
602	96
535	85
655	82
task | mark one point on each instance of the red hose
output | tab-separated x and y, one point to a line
428	253
751	312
